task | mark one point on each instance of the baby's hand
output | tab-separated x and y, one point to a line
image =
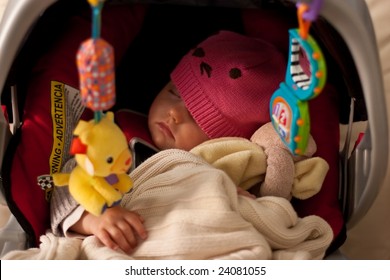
241	191
117	228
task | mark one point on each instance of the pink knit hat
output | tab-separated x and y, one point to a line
226	83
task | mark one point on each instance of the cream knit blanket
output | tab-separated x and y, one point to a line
192	211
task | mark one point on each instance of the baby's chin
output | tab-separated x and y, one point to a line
161	143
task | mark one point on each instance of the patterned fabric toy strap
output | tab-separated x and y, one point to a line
95	61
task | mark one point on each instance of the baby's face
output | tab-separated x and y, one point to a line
170	123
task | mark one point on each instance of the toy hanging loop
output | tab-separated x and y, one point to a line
307	13
314	9
304	25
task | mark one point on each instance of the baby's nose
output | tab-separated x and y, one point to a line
176	114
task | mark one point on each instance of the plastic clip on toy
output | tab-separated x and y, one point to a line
101	150
289	104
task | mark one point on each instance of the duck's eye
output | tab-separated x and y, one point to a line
110	160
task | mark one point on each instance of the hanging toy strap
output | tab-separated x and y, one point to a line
96	7
95	62
305	79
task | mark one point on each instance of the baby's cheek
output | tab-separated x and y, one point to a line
191	139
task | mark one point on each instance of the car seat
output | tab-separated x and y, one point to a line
361	173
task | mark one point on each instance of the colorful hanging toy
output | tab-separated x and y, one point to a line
101	150
304	81
95	62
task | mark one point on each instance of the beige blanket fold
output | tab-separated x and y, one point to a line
192	211
246	164
51	248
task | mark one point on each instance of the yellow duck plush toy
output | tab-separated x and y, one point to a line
103	158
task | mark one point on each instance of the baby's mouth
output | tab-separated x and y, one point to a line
165	129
